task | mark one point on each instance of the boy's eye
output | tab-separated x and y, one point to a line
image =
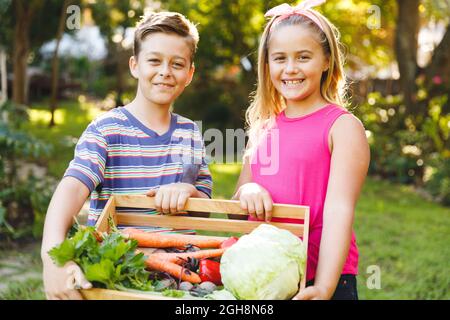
178	65
153	60
303	58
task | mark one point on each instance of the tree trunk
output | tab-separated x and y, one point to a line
120	58
438	71
55	63
3	76
20	52
406	50
24	12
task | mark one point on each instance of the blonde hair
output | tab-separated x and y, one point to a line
267	103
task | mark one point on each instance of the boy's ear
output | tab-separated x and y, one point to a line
191	75
132	63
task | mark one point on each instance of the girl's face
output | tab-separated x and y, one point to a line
296	63
163	68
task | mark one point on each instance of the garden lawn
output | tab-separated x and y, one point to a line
71	118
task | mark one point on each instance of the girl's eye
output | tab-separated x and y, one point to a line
178	65
303	58
279	59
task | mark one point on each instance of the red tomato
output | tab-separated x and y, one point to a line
229	242
209	270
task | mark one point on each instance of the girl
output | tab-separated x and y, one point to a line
304	147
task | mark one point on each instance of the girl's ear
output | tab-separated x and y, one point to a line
132	63
191	75
326	65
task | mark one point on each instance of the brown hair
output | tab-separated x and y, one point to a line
166	22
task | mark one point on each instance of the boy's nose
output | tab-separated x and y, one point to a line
165	71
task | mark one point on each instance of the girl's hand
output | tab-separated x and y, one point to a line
313	293
172	198
61	283
255	200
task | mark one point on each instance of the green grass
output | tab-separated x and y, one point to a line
407	237
21	273
72	118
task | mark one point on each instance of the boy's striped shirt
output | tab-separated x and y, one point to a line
117	154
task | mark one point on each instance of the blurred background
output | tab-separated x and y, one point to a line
63	62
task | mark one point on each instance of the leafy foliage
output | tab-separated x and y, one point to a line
409	149
107	264
29	196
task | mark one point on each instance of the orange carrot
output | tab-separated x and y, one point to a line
173	269
158	240
181	257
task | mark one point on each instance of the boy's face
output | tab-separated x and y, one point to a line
163	68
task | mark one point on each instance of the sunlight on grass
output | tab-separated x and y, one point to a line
44	116
224	177
91	111
227	168
41	114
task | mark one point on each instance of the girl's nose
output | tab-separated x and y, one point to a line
291	67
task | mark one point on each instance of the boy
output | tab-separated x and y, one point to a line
139	148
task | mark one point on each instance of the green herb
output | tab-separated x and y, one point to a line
107	264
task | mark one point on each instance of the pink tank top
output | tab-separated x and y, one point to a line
299	174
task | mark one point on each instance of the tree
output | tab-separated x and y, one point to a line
113	18
24	11
55	61
25	27
408	23
406	49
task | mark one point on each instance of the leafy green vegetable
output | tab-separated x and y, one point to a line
173	293
266	264
108	264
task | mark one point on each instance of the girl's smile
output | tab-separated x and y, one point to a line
296	64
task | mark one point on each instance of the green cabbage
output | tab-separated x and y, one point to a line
266	264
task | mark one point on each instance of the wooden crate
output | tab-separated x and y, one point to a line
183	222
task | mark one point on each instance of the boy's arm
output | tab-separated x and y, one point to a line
66	202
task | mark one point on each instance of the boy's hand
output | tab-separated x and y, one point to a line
61	283
171	198
255	200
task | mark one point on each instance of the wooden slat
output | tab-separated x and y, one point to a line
211	205
210	224
102	224
105	294
182	222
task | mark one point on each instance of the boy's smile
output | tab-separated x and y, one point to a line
163	68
